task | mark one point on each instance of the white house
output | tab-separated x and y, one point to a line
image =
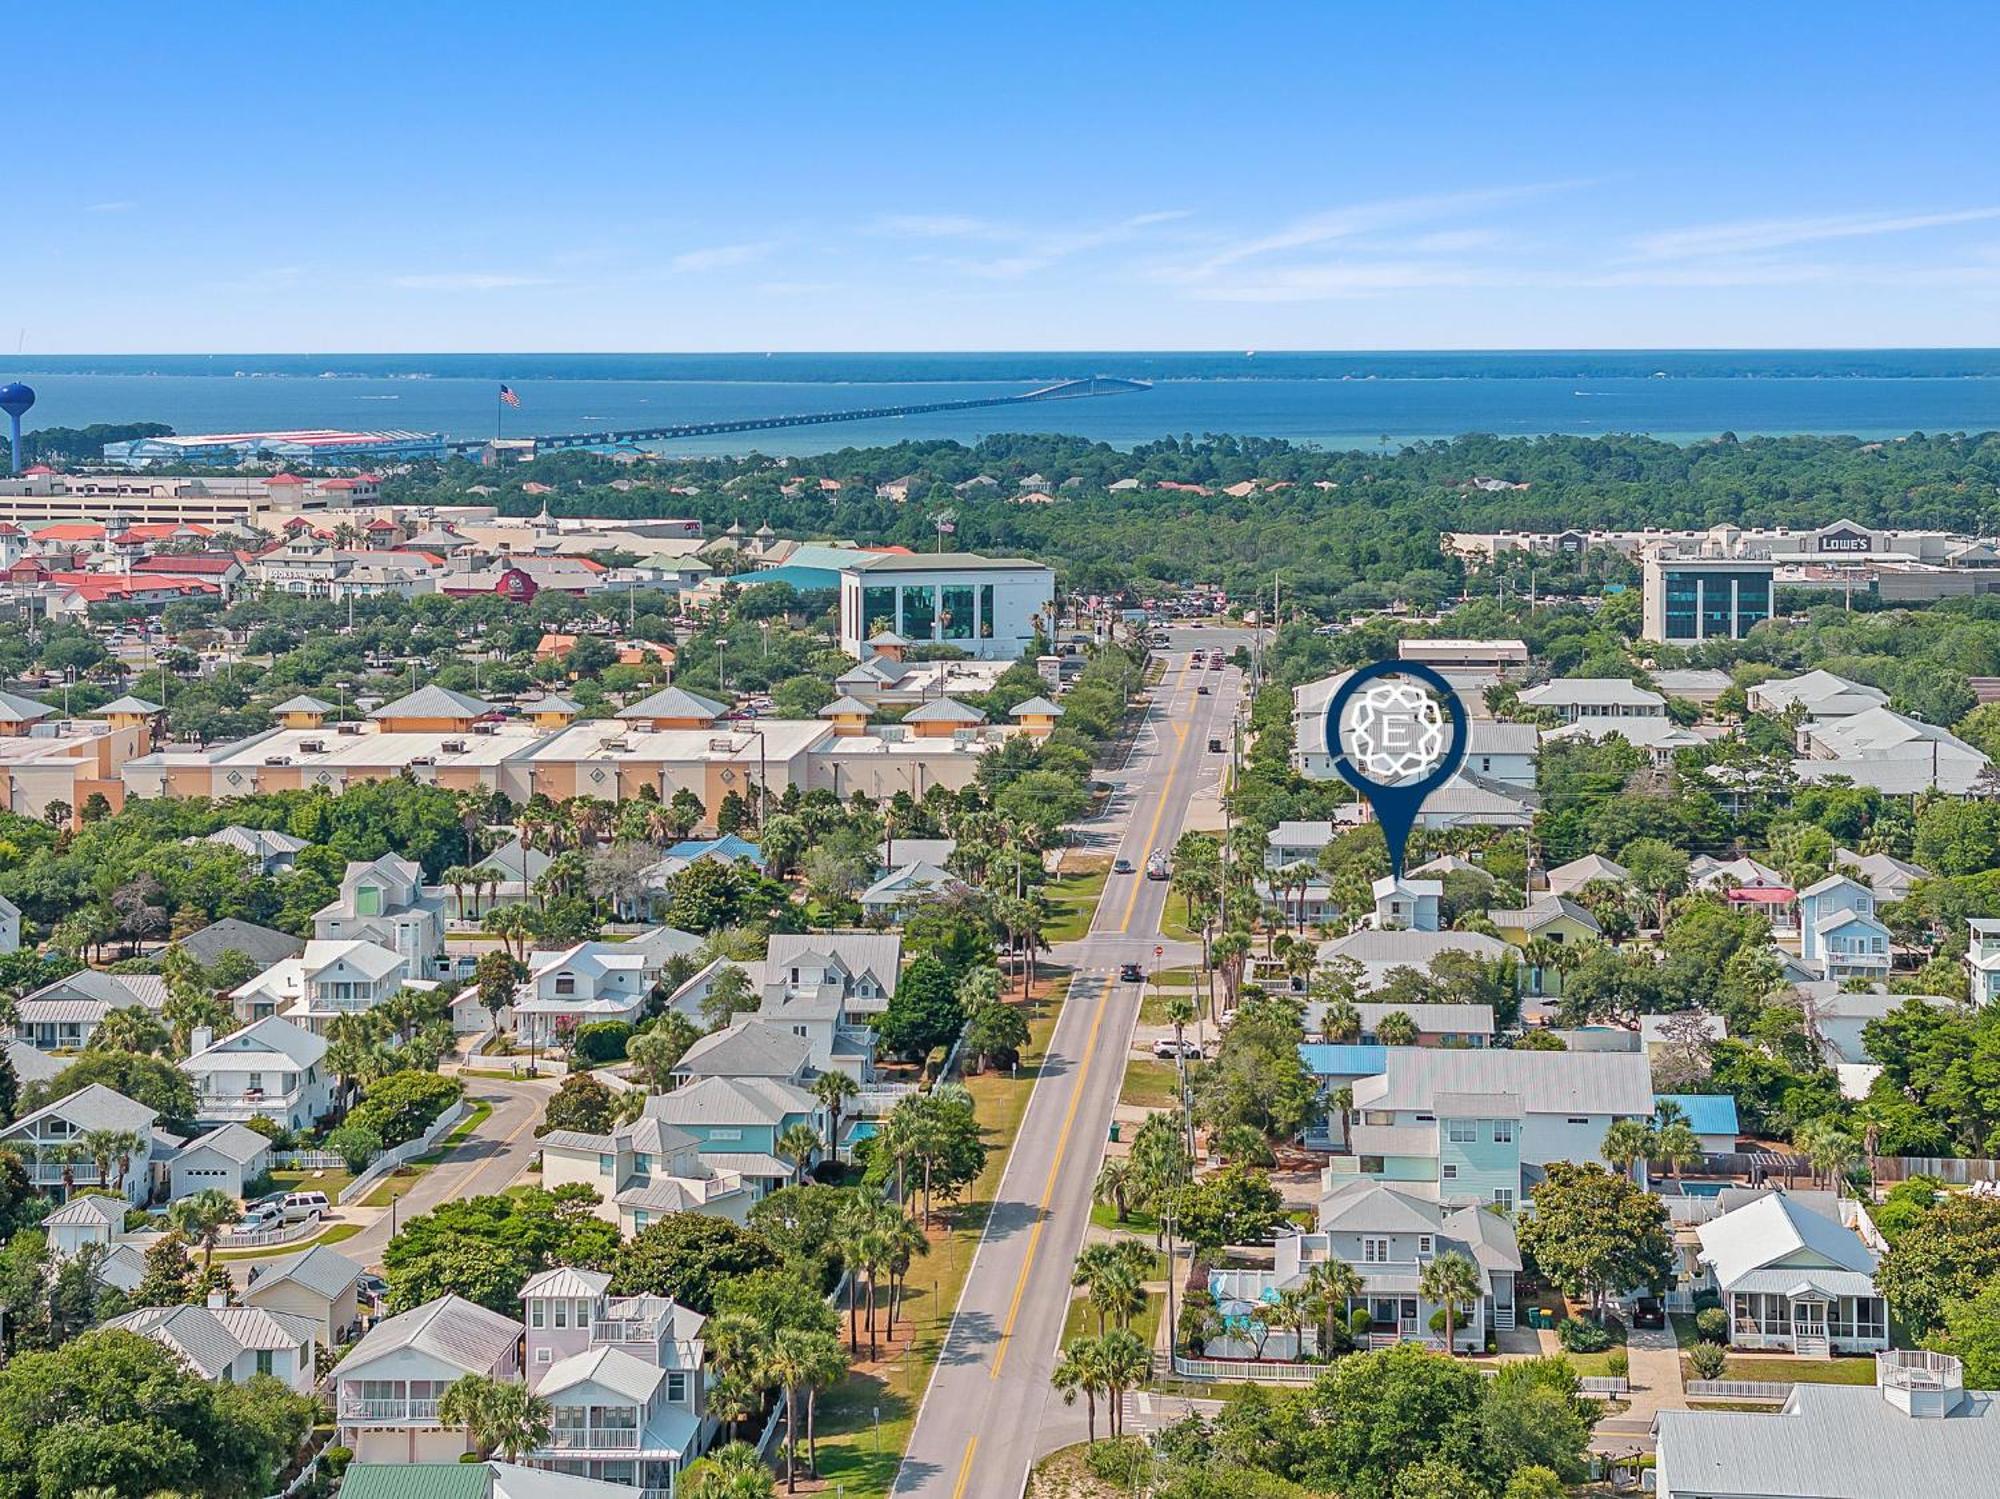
228	1158
230	1344
912	882
1388	1235
1380	954
860	966
625	1377
59	1126
85	1220
271	1068
738	1122
61	1016
332	977
1889	877
387	903
1567	879
1983	958
387	1388
1595	700
1818	694
272	852
581	985
319	1284
642	1171
1794	1279
1407	905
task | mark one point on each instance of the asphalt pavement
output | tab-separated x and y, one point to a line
980	1425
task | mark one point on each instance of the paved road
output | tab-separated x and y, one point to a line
978	1428
485	1163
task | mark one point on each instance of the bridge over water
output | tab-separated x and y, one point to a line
1062	390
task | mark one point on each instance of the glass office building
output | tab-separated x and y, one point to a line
1692	599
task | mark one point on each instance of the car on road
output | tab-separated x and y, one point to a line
1131	973
1168	1048
1215	661
1201	689
1215	746
1156	867
1121	866
1648	1312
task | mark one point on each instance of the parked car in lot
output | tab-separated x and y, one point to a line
1167	1047
1131	973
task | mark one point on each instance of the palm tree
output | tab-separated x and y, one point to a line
457	879
1449	1281
1830	1150
1118	1294
1626	1143
903	1242
787	1365
833	1089
1081	1371
68	1154
1676	1143
1126	1362
825	1367
798	1144
513	925
498	1415
101	1147
199	1219
1332	1283
1295	1311
1340	1022
734	1471
1396	1029
1114	1185
1180	1015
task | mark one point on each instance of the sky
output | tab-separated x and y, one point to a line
236	177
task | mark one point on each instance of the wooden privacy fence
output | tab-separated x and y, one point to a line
1953	1171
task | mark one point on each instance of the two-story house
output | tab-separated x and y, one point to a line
230	1344
1389	1236
643	1171
387	1389
271	1068
1407	905
387	903
1839	934
1983	959
1461	1125
581	985
51	1143
331	978
738	1122
1553	918
862	965
62	1016
624	1377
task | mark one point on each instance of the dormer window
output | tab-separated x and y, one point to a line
368	900
565	983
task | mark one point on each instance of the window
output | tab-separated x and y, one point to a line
1427	1119
1425	1243
878	611
957	615
562	1313
1504	1197
264	1361
1503	1132
565	984
607	1164
537	1312
1449	1171
919	612
1462	1131
985	611
368	900
544	1355
1578	1119
677	1386
1374	1251
1371	1165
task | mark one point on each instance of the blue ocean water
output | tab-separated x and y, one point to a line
1342	400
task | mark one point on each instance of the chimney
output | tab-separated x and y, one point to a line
217	1300
200	1038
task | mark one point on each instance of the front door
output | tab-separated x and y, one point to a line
1808	1321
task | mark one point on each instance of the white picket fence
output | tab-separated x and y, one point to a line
409	1150
1738	1389
271	1238
1245	1370
306	1160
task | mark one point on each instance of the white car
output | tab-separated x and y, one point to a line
1167	1047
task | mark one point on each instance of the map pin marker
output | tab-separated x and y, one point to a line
1408	750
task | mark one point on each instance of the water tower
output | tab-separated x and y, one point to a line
15	400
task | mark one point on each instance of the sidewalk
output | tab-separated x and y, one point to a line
1655	1377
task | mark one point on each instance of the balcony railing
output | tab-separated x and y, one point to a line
388	1410
1914	1369
595	1439
624	1330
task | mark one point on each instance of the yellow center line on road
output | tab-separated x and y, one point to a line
1049	1191
965	1467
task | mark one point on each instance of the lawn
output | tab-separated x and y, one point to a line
333	1235
1801	1370
330	1180
1081	1321
1104	1216
1072	902
856	1454
1173	921
1150	1084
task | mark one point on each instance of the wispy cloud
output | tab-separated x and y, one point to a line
465	281
1020	250
721	257
1750	236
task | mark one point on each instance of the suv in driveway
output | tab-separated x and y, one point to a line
1647	1312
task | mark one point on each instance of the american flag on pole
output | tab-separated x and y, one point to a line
507	395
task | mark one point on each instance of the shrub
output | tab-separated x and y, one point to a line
280	1137
1580	1336
1711	1324
1707	1360
355	1144
1619	1363
1359	1321
333	1462
1118	1463
402	1105
1703	1300
599	1042
1437	1322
